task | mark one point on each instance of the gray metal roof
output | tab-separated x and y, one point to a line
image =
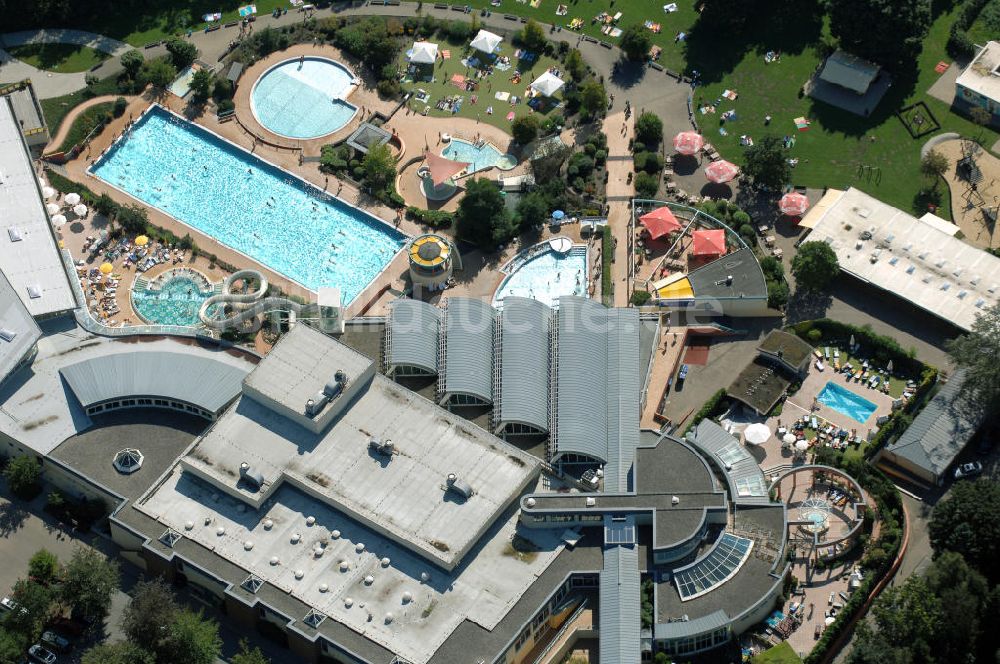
414	330
598	382
235	70
367	136
32	261
619	606
26	108
849	71
685	628
524	362
712	280
469	348
18	330
201	381
939	432
746	480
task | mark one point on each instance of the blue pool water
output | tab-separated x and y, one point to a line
177	303
482	157
547	277
844	401
303	99
253	207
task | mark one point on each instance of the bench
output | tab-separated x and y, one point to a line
440	5
605	44
510	17
231	24
213	28
657	66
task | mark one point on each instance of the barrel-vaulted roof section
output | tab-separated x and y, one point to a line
414	329
469	348
524	363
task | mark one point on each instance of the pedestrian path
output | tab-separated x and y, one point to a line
50	84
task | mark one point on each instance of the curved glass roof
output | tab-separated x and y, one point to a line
720	565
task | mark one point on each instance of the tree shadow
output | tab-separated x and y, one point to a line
626	74
717	190
807	305
685	164
835	119
12	518
720	41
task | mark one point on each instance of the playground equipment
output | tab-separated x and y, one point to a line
238	308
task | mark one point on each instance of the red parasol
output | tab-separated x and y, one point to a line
793	204
721	171
660	222
708	243
688	142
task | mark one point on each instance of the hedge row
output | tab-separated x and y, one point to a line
432	218
959	45
708	410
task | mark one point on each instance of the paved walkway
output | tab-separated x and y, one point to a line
49	84
620	191
67	122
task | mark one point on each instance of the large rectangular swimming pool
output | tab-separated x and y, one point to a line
242	201
845	401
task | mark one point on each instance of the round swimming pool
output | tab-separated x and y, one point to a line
303	97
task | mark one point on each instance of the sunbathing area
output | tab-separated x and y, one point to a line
487	80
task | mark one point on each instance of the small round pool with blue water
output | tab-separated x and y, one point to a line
303	98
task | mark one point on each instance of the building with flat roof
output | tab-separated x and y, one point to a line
909	258
929	446
28	112
979	83
30	258
19	333
781	359
368	524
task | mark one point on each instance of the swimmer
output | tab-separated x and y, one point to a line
250	171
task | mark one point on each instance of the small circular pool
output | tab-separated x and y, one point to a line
172	299
303	97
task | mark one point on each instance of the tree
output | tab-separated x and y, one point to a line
934	165
532	211
90	579
182	53
132	62
105	205
649	129
248	655
202	83
635	42
575	65
777	294
968	522
160	72
191	640
646	185
43	567
976	353
524	129
379	166
23	474
532	36
35	605
481	216
861	27
133	219
12	646
151	608
814	266
593	98
123	652
765	165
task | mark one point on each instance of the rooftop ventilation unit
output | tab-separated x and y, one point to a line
590	479
14	234
314	618
35	291
7	334
674	500
170	537
379	446
460	487
252	583
251	476
330	391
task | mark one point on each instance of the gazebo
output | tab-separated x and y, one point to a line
708	242
486	41
423	53
547	84
660	222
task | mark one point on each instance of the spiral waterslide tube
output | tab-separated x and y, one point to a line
248	306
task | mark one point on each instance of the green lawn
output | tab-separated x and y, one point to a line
60	58
56	108
980	33
499	81
84	124
779	654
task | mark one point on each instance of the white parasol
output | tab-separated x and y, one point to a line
72	198
48	192
547	84
80	210
58	221
423	53
802	445
757	434
486	41
788	438
51	208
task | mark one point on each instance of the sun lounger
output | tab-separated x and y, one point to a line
826	352
819	365
813	423
818	353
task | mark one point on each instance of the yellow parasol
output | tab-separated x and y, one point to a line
141	241
106	268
